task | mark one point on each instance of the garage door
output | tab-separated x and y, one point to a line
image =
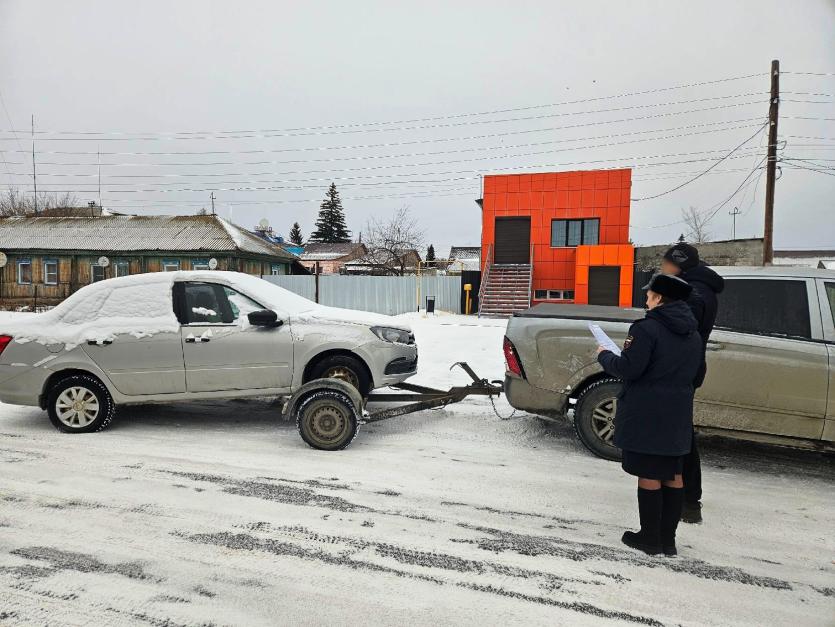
513	240
604	285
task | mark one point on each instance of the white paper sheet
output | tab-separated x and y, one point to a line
603	340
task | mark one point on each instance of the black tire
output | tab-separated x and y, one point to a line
90	393
594	414
344	367
327	420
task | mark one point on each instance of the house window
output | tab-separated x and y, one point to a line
276	269
96	273
554	295
170	265
570	233
121	268
199	264
24	271
50	272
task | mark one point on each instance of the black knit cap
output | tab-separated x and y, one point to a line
683	255
669	286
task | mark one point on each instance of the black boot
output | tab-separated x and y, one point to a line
672	500
692	512
648	539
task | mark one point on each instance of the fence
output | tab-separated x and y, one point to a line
390	295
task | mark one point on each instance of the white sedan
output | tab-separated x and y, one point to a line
183	336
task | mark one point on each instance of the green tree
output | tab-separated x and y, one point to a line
296	234
330	226
430	256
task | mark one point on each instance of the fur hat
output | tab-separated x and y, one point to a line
683	255
669	286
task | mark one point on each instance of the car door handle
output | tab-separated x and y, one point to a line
191	340
714	346
204	339
99	342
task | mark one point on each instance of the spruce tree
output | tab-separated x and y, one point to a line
330	226
296	234
430	255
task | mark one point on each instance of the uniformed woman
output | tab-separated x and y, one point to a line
654	417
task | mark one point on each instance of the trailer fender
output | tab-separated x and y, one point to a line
318	385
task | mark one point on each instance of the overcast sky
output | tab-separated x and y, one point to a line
322	91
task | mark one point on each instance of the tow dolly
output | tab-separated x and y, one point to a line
328	412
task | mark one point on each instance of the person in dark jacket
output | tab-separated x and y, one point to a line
654	416
682	260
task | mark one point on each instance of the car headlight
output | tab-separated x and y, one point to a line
388	334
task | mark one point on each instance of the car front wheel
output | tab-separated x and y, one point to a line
344	368
80	404
594	418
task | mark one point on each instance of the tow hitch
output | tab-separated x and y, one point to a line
328	412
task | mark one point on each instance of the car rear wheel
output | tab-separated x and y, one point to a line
327	420
345	368
80	404
594	418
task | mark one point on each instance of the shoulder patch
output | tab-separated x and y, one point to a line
627	342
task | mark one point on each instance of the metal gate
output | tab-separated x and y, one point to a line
604	285
513	240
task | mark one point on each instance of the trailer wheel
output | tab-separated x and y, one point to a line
327	420
594	416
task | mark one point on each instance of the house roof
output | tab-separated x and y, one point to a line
465	252
191	233
330	252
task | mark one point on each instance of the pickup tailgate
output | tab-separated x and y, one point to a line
554	343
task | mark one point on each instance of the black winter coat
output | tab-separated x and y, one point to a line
660	360
704	305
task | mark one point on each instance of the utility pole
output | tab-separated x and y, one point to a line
34	172
734	214
771	165
213	202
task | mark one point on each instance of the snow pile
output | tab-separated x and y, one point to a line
139	306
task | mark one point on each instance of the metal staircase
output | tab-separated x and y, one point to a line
505	289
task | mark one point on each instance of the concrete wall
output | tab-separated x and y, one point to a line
741	252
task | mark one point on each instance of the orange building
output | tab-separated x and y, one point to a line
569	229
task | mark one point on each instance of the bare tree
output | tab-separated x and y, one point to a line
392	243
13	202
696	223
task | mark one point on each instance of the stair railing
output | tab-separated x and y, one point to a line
530	277
484	276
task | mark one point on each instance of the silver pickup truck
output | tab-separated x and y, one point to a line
771	362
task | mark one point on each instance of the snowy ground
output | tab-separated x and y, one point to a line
214	513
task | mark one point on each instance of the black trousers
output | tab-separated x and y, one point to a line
692	473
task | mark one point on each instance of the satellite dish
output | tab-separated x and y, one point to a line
3	260
104	262
212	263
264	224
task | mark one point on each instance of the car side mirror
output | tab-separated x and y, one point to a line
264	318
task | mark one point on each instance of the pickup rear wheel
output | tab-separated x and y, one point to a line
594	418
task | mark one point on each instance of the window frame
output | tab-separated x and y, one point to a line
49	262
119	263
25	261
93	267
200	264
548	295
567	222
170	262
183	315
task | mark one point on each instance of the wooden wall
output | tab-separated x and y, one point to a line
75	271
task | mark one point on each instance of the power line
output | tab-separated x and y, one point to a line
479	113
270	134
829	171
698	176
809	73
443	152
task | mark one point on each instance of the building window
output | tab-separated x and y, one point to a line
24	271
554	295
96	273
170	265
276	269
50	272
570	233
121	268
200	264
